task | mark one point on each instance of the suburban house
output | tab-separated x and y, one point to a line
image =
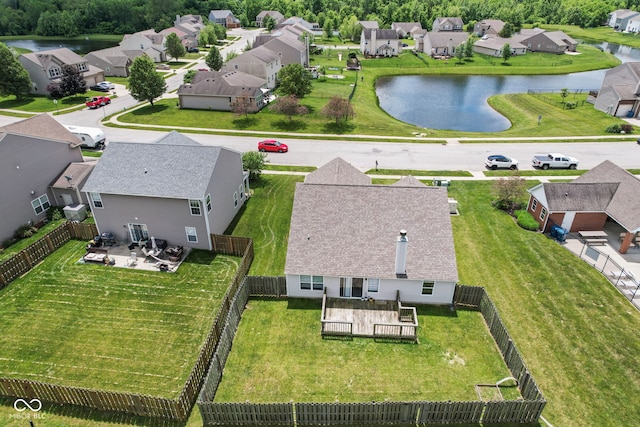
618	19
375	42
115	61
174	189
273	14
33	153
225	18
489	27
289	49
618	94
369	24
404	29
633	26
537	40
222	90
312	27
65	188
447	24
260	62
190	24
149	42
440	43
45	68
606	196
355	240
493	46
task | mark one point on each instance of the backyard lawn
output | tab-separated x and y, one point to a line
110	328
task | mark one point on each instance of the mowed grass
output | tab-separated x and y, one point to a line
279	355
108	328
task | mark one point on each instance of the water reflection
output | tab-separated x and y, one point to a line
81	46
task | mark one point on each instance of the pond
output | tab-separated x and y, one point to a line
460	102
81	46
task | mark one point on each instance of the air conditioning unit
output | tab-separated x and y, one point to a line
75	212
453	206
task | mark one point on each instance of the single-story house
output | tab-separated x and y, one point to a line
260	62
273	14
547	41
352	239
618	19
606	193
33	153
490	27
375	42
45	68
222	90
225	18
620	89
440	43
405	29
493	46
174	189
447	24
115	61
149	42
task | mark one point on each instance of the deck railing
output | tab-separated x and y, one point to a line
331	327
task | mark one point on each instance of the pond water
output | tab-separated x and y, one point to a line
81	47
460	102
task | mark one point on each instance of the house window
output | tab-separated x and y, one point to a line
235	199
54	72
194	205
534	205
241	191
427	288
192	234
40	204
308	282
373	285
207	201
82	67
96	200
543	213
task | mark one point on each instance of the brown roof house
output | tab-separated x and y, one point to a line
148	41
607	195
273	14
440	43
488	27
447	24
404	29
493	45
45	68
351	239
619	94
33	154
375	42
538	40
222	90
174	189
115	61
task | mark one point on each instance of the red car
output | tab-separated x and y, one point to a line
98	101
273	146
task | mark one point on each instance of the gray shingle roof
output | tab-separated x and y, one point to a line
338	171
158	169
381	34
223	83
351	231
582	197
41	126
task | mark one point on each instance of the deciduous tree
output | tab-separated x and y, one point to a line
214	59
294	80
289	106
338	108
254	162
175	49
506	52
509	192
72	81
14	79
145	84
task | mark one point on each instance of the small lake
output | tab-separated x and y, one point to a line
460	102
81	46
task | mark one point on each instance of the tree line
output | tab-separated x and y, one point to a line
73	17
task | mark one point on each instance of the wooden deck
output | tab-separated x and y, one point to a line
366	318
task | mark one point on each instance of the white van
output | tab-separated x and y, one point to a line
89	137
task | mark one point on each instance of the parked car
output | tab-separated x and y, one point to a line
106	84
97	102
273	146
163	67
499	161
193	49
554	161
99	88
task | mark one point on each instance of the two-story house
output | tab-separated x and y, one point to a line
149	42
273	14
260	62
225	18
376	42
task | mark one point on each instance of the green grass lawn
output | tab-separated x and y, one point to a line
110	328
23	243
278	355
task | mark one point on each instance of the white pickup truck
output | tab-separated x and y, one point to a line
554	161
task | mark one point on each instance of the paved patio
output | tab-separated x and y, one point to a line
122	255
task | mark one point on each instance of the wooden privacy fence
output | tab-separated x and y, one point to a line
24	260
128	403
527	410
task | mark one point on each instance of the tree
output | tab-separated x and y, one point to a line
460	52
188	76
269	23
506	52
72	81
290	106
254	162
509	193
230	55
145	84
338	108
214	59
175	49
294	80
468	46
207	35
14	79
221	32
243	104
507	31
564	92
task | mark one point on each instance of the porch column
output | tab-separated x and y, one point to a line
626	242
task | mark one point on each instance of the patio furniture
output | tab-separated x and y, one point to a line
174	253
133	259
95	255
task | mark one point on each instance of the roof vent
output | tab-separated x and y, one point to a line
401	255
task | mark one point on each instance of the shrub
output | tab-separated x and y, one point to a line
626	128
613	129
55	213
526	220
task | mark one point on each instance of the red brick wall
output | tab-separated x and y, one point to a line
589	221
